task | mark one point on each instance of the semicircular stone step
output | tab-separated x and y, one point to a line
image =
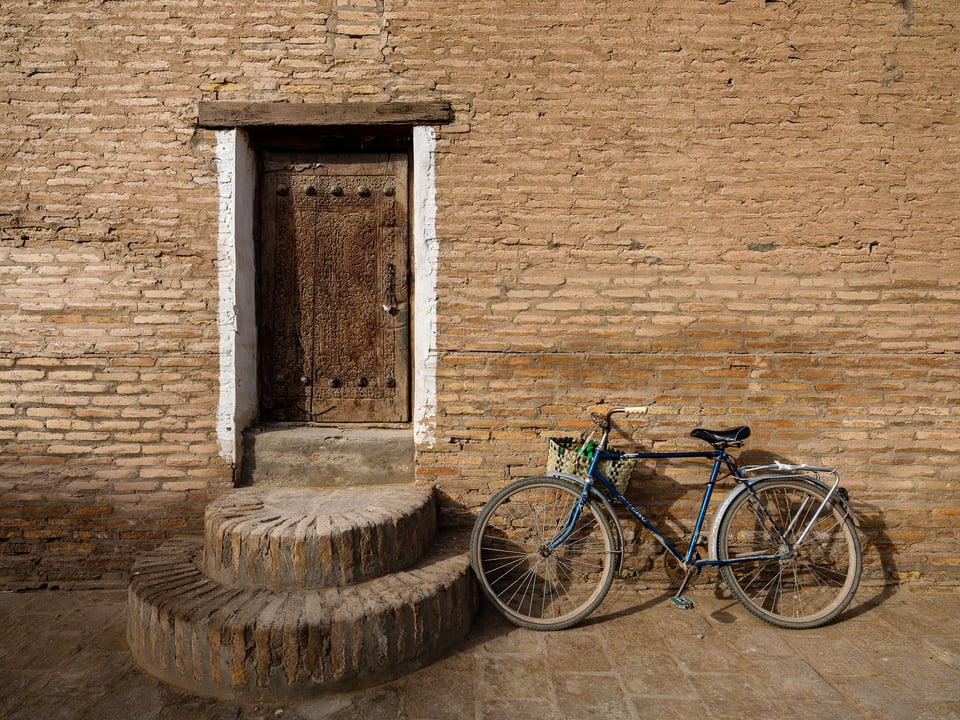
310	538
259	645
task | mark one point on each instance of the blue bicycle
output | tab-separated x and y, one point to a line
545	549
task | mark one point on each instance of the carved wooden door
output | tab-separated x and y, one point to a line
333	310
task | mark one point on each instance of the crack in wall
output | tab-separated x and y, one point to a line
909	15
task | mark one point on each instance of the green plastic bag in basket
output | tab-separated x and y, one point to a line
571	456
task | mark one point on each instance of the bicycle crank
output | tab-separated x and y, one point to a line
677	573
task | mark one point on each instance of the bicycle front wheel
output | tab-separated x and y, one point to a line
812	586
529	583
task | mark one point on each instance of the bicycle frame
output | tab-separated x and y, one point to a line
720	459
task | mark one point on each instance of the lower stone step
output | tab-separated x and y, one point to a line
259	645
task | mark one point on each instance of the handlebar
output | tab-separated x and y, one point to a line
603	421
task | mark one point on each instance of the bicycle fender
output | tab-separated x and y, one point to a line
742	488
597	495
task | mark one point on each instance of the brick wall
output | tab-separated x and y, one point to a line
745	210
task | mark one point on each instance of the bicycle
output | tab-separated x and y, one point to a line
545	549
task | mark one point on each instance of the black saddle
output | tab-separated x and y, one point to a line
722	437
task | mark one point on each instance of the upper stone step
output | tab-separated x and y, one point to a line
306	456
310	538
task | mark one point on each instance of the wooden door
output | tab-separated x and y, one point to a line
333	310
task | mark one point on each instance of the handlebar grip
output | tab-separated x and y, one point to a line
636	410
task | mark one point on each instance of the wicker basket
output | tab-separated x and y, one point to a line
568	455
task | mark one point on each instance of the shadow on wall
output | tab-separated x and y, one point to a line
879	559
655	493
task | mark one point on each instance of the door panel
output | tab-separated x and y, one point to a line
333	292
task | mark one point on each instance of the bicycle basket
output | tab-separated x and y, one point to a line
568	455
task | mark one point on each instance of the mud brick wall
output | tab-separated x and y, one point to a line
744	210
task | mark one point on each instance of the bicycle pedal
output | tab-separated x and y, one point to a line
682	603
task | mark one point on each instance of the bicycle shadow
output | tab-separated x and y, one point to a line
602	617
879	576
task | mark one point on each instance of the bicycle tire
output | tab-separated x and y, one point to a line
818	582
530	586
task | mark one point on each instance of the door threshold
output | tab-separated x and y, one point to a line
306	455
288	424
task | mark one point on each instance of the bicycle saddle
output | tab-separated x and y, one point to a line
722	437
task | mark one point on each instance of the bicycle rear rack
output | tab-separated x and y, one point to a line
799	470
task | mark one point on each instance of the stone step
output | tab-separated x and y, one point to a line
306	456
301	538
258	645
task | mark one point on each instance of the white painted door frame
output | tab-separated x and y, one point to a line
236	274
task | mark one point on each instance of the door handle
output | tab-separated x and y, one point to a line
390	306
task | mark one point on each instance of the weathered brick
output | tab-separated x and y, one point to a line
629	208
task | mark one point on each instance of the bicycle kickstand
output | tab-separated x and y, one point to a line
684	603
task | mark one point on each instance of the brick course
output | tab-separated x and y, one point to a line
745	210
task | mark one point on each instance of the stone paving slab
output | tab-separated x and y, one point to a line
894	655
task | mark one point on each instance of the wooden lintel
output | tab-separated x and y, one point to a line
227	114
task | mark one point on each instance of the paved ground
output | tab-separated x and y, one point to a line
893	655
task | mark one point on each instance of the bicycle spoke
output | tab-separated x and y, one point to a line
501	571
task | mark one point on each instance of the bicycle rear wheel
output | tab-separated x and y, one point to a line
818	581
527	582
